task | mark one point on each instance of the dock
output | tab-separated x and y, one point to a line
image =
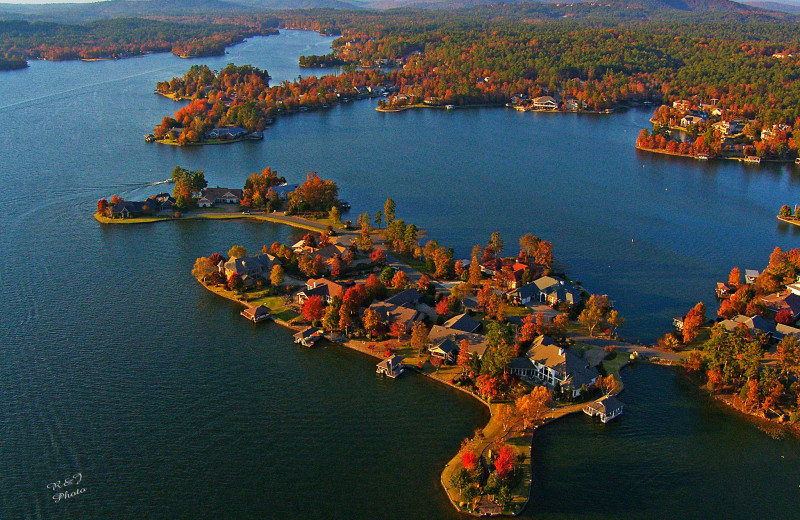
606	408
256	314
308	336
391	366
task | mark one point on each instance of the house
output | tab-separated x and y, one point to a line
556	365
391	313
251	267
606	408
545	103
758	325
322	287
463	323
723	291
750	276
554	291
683	104
525	294
571	104
522	367
794	288
778	302
405	298
446	351
771	132
217	195
128	209
228	132
283	190
728	128
391	366
689	120
256	314
308	336
439	334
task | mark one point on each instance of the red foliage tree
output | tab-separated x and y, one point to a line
423	283
784	316
469	460
102	206
378	256
313	308
504	464
355	296
443	307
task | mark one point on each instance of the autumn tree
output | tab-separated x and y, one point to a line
102	206
388	211
475	276
372	322
400	280
614	320
313	309
203	269
504	414
528	245
694	319
504	463
735	278
419	336
469	460
234	282
237	252
608	384
544	254
276	275
488	386
594	312
530	406
423	283
463	355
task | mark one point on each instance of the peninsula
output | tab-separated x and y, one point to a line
509	331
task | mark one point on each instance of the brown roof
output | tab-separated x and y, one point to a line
333	288
396	313
477	342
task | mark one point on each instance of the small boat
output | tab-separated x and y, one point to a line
449	107
149	138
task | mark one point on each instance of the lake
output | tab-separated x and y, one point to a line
116	365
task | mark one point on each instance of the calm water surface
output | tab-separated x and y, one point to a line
115	364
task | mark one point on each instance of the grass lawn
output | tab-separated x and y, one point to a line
139	220
520	311
613	366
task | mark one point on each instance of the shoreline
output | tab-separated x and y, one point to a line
716	158
279	218
789	220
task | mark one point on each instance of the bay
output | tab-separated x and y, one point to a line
114	363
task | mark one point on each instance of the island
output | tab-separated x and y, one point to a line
527	342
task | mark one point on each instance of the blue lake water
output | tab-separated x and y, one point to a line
114	363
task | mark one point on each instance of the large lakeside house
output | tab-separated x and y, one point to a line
211	196
160	203
249	268
551	364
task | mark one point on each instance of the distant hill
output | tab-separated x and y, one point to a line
300	4
723	6
76	13
776	6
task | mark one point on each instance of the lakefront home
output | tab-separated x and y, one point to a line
249	268
218	195
555	365
545	103
322	287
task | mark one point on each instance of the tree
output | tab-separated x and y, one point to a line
443	306
734	278
785	211
530	406
313	309
423	283
378	218
345	318
356	296
398	329
528	330
495	244
777	258
463	355
374	287
335	266
608	384
234	282
528	245
378	257
475	272
488	386
335	215
594	312
276	275
388	211
372	321
419	336
504	463
237	252
544	254
332	317
694	319
203	269
788	352
459	479
784	316
102	206
505	416
614	320
558	327
469	460
400	280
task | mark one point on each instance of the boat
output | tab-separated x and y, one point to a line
449	107
752	159
797	161
149	138
702	156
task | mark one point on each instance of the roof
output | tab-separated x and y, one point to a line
607	405
545	282
574	371
214	194
751	273
306	333
521	363
526	291
396	314
323	287
251	265
446	347
779	302
477	342
391	362
405	297
255	312
463	323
